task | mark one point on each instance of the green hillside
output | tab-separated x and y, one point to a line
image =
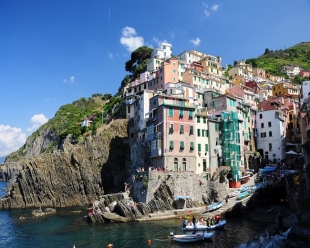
271	60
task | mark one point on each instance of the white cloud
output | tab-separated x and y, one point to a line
111	55
130	39
37	121
195	42
11	139
215	7
208	10
70	80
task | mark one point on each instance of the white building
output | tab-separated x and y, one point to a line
158	55
271	134
305	90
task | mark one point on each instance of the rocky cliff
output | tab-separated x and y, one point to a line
75	175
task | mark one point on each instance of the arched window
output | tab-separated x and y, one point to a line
175	164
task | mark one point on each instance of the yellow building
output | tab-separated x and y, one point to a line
286	88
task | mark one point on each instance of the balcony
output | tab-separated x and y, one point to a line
170	102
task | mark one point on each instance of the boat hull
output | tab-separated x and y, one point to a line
188	238
214	206
221	224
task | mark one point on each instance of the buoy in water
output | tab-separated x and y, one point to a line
110	246
149	241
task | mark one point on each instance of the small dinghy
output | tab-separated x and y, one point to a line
187	238
234	193
214	206
220	224
243	195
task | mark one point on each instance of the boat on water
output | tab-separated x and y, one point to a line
214	206
234	193
198	227
206	235
187	238
243	195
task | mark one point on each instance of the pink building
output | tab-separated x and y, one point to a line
170	133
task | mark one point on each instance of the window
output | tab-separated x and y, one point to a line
170	112
269	124
181	129
207	133
171	129
262	125
190	114
199	147
206	147
198	132
198	119
203	133
204	119
181	113
216	127
182	145
270	147
270	133
263	135
260	116
192	146
171	146
191	130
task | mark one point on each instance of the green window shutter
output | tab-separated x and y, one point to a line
203	133
207	133
191	114
198	132
204	120
206	147
192	145
170	112
198	119
171	144
181	145
181	113
199	147
216	127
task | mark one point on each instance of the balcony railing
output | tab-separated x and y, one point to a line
178	103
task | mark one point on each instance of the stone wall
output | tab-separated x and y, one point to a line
180	183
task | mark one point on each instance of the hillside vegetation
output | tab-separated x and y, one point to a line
271	60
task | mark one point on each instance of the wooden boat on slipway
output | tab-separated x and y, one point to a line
243	195
190	238
234	193
219	225
214	206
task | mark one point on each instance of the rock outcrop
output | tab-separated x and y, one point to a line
76	176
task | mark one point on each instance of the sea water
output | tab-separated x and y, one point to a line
67	227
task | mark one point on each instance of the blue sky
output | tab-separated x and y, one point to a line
54	52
